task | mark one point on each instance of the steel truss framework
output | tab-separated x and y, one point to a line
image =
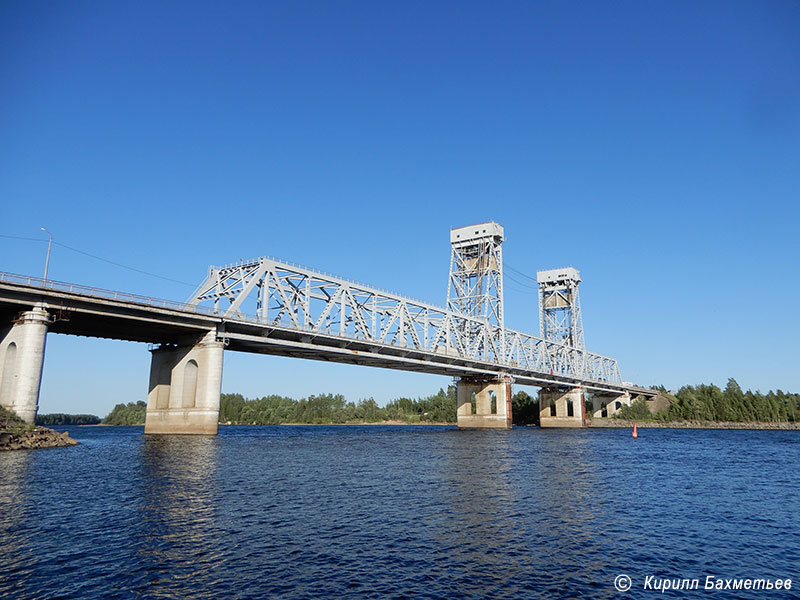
560	306
475	285
280	294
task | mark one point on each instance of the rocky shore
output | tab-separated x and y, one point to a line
15	434
621	423
33	439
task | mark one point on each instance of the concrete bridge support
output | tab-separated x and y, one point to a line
605	405
21	362
185	385
484	404
561	408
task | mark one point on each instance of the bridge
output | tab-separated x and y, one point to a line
269	306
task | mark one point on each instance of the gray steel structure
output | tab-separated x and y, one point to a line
560	306
269	306
282	295
95	312
475	285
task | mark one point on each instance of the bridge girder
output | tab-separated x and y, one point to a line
281	294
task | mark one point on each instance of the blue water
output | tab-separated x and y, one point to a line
397	512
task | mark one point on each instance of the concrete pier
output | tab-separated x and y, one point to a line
185	385
561	408
21	361
607	405
484	404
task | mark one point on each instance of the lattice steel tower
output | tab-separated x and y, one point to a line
560	306
475	287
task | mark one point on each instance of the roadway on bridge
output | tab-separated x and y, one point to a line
91	312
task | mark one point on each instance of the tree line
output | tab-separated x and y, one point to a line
333	408
692	403
63	419
132	413
315	409
710	403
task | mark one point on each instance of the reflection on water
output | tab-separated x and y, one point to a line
566	541
14	528
177	513
477	525
521	513
394	512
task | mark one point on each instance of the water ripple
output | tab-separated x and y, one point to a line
394	512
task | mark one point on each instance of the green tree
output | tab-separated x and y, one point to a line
524	409
637	411
369	411
440	408
64	419
691	404
132	413
230	408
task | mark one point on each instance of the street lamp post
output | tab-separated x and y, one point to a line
49	245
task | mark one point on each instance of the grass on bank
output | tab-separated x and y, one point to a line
11	423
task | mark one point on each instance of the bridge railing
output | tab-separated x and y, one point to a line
284	294
97	292
296	298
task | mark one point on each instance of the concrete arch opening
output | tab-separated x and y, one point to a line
484	404
561	407
189	399
21	361
8	374
185	384
164	378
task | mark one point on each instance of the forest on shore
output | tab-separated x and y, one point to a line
52	419
711	403
691	403
319	409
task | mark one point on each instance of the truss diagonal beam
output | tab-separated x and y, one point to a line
301	299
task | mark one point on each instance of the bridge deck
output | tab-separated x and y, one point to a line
84	311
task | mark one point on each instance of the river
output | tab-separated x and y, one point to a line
398	512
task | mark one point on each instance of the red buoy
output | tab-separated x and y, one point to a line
635	434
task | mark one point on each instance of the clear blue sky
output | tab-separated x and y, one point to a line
655	146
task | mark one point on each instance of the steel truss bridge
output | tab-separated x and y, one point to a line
317	315
269	306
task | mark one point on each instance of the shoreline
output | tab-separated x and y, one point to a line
280	424
596	424
349	424
750	425
36	438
